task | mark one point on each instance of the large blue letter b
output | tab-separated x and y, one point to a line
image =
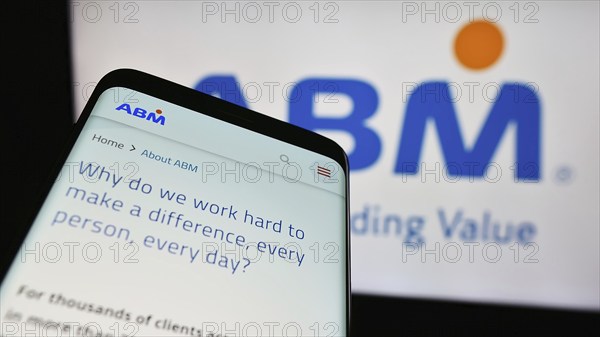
364	99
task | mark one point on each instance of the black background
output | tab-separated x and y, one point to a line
37	120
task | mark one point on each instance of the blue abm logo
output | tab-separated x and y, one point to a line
430	102
154	117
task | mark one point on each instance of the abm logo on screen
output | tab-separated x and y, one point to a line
154	117
478	45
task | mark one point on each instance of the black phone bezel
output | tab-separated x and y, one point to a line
207	105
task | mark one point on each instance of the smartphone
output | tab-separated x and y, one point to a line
176	213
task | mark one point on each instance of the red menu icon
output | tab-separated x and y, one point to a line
323	171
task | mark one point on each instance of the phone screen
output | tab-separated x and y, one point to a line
168	222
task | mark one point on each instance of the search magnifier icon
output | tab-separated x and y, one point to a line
284	158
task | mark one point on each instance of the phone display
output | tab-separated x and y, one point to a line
177	214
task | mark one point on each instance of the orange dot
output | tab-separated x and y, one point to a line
158	111
478	44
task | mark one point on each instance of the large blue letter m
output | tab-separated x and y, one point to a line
516	103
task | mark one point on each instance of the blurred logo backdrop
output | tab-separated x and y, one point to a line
472	128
